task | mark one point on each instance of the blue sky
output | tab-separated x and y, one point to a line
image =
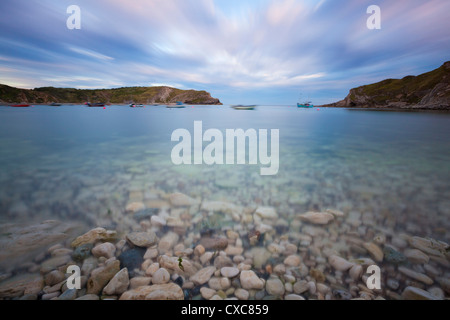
242	51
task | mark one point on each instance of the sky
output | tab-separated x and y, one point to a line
241	51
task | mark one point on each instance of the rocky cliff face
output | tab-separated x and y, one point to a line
144	95
427	91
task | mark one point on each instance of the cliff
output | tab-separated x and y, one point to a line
430	90
144	95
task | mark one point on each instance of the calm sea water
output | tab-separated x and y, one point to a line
80	164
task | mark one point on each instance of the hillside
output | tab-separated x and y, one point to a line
144	95
430	90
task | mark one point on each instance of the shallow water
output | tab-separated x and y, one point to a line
84	165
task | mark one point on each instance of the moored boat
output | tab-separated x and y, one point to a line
20	105
98	104
305	105
242	107
55	104
134	105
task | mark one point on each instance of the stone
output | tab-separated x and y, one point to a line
336	213
69	294
413	293
142	239
161	276
101	276
356	272
182	200
207	293
200	250
292	261
234	251
158	221
167	291
301	286
216	244
106	250
89	264
229	272
393	256
260	256
150	271
168	242
202	276
53	263
151	253
293	297
416	256
139	282
374	250
429	246
134	207
118	284
89	297
275	287
217	283
249	280
132	259
241	294
393	284
416	275
320	218
54	277
339	263
20	285
445	283
266	213
82	252
94	235
173	264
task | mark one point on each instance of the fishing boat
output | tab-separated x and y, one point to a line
242	107
134	105
20	105
305	105
177	106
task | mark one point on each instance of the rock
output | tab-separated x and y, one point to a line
216	244
249	280
168	291
222	261
342	295
375	252
200	250
150	271
89	297
260	256
94	235
139	282
275	287
202	276
49	296
356	272
301	286
168	242
393	256
142	239
54	277
445	283
182	200
293	297
206	257
229	272
132	259
20	285
69	294
118	284
82	252
292	261
416	256
413	293
173	264
207	293
234	251
429	246
336	213
134	207
53	263
437	292
106	250
339	263
158	221
320	218
161	276
416	275
241	294
266	213
220	206
393	283
101	276
219	283
89	264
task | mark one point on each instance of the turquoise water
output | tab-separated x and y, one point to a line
81	165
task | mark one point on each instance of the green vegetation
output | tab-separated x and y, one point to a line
144	95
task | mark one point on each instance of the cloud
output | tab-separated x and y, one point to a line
90	53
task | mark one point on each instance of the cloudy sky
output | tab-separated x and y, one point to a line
242	51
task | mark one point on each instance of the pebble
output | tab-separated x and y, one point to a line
70	294
139	282
134	207
374	250
301	286
118	284
339	263
393	283
142	239
219	283
416	256
94	235
275	287
158	221
229	272
199	250
161	276
82	252
167	291
106	250
202	276
241	294
293	297
292	261
320	218
393	256
101	276
413	293
249	280
266	213
182	200
416	275
89	297
151	253
234	251
168	242
356	272
207	293
54	277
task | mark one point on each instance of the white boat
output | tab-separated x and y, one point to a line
242	107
